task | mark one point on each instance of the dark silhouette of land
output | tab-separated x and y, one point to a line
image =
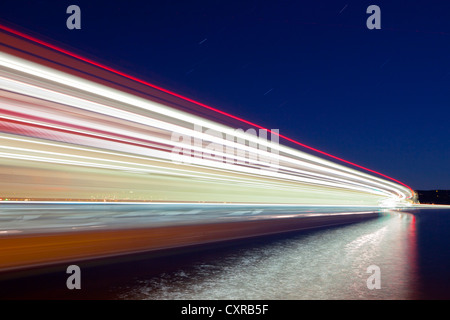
434	196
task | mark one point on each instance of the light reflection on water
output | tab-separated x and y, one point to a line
323	264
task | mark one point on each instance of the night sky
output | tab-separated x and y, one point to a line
312	69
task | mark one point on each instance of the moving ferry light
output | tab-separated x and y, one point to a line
64	136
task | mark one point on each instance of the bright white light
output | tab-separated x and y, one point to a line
70	121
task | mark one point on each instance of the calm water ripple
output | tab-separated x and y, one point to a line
411	250
329	263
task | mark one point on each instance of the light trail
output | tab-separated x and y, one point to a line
28	37
65	137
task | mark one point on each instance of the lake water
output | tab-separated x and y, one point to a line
328	263
411	251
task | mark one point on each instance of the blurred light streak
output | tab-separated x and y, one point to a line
65	137
71	54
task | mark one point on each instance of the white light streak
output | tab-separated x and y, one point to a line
67	121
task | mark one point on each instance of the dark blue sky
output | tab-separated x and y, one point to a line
312	69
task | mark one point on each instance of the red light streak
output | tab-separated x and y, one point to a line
48	45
